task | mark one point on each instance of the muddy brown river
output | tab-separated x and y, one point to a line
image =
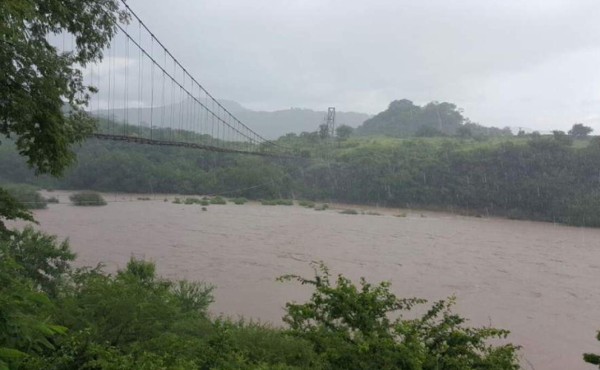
539	280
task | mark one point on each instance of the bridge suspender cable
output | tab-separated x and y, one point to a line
196	119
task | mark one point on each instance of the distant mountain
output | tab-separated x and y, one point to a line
271	125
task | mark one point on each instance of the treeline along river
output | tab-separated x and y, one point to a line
541	178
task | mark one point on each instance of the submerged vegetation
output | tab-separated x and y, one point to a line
277	202
240	201
87	198
218	200
54	316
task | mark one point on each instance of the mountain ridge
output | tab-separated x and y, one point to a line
269	124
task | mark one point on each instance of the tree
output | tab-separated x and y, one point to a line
343	132
580	131
42	92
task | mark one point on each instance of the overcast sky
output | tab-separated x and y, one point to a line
530	63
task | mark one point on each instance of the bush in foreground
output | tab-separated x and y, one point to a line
351	327
53	316
87	198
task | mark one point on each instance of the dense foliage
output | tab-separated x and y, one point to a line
548	178
37	79
53	316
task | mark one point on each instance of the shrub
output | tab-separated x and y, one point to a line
143	198
27	195
204	202
349	212
362	327
191	201
218	200
240	201
306	203
277	202
177	201
87	198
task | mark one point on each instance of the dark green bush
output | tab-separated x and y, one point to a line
349	212
277	202
192	201
87	198
240	201
218	200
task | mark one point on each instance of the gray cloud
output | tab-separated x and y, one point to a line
519	63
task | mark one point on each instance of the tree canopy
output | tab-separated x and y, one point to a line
42	92
580	131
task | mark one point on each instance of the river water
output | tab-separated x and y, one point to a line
539	280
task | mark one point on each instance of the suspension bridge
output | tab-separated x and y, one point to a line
145	95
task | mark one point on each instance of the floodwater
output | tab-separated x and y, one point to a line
539	280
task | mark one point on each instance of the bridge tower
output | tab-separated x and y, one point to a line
330	122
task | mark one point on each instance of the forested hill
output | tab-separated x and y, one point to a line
405	119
